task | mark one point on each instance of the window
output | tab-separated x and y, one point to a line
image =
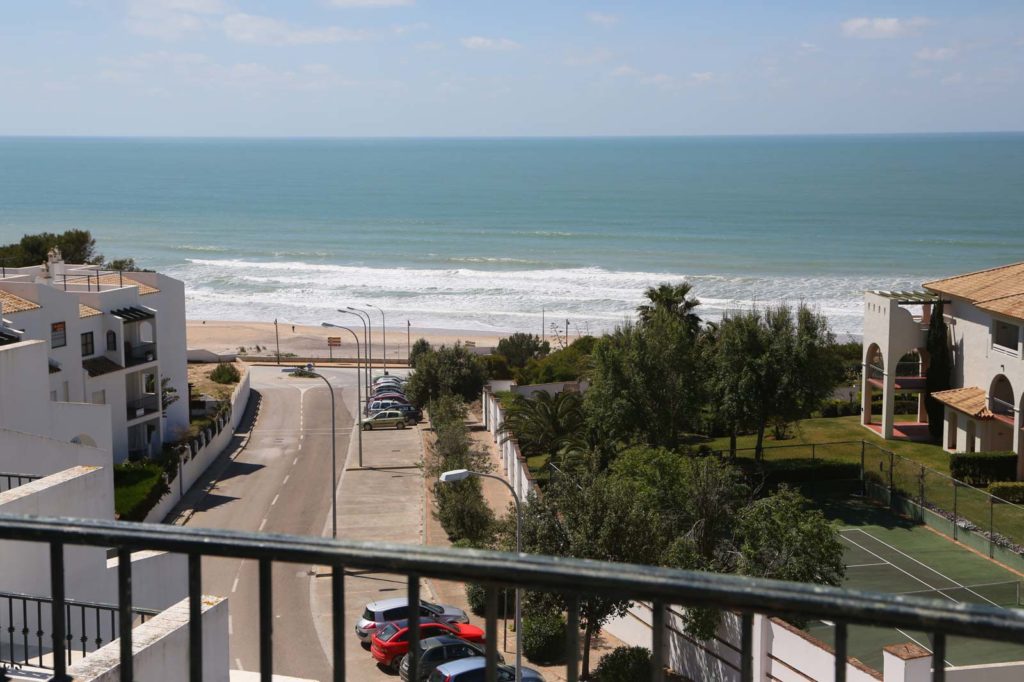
111	341
58	335
1005	335
88	347
99	398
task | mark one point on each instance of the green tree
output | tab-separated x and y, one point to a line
122	264
646	383
420	348
544	424
773	365
76	246
520	348
940	370
674	299
448	369
568	364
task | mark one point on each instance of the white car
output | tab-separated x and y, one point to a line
377	613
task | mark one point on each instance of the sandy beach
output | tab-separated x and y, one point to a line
222	337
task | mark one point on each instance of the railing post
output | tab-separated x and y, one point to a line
124	606
863	478
991	527
658	640
938	657
266	622
892	482
747	647
338	620
491	630
60	661
572	640
414	626
956	518
195	617
840	649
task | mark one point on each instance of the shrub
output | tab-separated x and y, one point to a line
624	664
776	472
982	468
463	512
1011	491
138	486
544	638
476	595
839	408
225	373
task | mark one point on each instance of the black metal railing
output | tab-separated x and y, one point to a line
26	624
9	481
138	353
93	280
1002	407
143	406
572	578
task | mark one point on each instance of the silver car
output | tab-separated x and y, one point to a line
475	670
379	612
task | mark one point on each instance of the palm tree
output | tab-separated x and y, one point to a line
544	424
674	299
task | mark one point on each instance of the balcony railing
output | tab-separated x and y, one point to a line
143	406
570	577
1001	407
25	621
138	353
9	481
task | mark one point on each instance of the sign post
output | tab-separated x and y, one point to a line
332	343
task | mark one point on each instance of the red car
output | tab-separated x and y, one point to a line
391	642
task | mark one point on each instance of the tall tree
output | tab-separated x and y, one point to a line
544	424
774	365
448	369
674	299
520	348
646	385
940	366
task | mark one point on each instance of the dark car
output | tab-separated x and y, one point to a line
412	413
435	651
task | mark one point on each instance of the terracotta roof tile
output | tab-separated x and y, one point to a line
9	303
999	290
85	311
971	400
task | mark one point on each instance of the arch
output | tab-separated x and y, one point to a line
875	361
84	439
147	332
1001	396
111	341
913	363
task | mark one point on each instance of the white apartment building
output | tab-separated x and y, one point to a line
985	316
112	339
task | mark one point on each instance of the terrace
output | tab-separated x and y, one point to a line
661	587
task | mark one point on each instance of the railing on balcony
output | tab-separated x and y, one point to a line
910	369
9	481
1001	407
25	628
875	372
138	353
570	577
143	406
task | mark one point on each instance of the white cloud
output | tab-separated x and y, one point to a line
372	3
953	79
624	71
661	80
405	29
170	19
481	43
598	56
602	19
936	54
882	27
808	48
257	30
701	77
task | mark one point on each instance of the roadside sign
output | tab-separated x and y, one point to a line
334	342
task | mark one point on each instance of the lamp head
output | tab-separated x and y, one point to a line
454	475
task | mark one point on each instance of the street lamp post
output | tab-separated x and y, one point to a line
334	455
384	335
367	342
359	396
461	474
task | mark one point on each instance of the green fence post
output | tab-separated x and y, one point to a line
921	486
991	528
956	518
863	478
892	482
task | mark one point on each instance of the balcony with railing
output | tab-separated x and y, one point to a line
9	481
660	587
143	407
139	353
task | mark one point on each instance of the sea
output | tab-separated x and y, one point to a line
522	234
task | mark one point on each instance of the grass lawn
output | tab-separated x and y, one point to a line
133	485
840	429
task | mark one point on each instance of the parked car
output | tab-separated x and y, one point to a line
435	651
387	388
385	419
412	413
391	642
389	379
380	405
474	670
391	395
377	613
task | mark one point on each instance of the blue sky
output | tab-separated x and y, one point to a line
483	68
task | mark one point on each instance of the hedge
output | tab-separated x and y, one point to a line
982	468
839	408
1011	491
625	664
775	472
544	638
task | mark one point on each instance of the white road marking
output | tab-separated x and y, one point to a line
274	501
263	523
295	461
234	585
878	563
286	479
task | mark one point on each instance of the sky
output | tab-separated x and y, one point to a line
381	68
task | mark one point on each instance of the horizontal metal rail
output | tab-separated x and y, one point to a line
9	480
574	578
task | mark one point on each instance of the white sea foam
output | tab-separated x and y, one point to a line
467	298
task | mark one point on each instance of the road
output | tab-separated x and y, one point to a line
279	483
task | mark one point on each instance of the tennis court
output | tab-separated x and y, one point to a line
885	553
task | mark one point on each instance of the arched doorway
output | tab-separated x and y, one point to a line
1001	401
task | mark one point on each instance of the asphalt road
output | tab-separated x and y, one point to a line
279	483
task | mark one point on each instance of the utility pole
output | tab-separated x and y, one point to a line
408	342
543	332
277	339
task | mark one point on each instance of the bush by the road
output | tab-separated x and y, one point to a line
544	638
624	664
